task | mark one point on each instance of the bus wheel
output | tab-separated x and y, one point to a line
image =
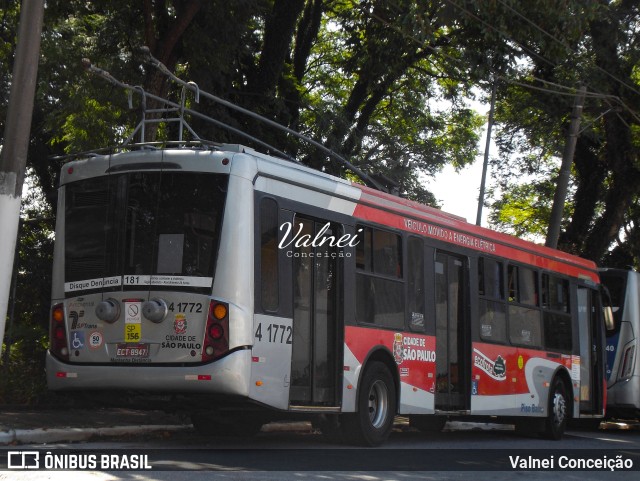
558	411
376	408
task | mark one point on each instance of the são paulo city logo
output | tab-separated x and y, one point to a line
180	324
495	369
409	348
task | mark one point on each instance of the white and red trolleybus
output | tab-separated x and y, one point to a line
247	288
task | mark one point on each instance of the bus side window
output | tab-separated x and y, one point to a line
525	326
493	319
415	280
387	253
363	249
269	254
380	297
556	314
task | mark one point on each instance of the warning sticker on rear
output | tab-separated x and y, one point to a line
132	321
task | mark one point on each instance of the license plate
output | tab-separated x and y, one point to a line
128	350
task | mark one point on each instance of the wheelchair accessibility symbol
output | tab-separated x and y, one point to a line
77	341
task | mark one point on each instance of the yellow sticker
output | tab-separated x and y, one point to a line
132	332
520	362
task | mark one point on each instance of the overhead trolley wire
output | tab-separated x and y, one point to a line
568	91
546	60
437	51
136	89
191	86
364	176
567	47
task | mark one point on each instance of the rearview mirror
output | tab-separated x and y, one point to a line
609	322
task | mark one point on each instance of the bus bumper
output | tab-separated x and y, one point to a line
229	375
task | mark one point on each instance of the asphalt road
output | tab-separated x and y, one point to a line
476	452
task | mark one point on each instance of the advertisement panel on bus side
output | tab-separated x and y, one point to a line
513	380
414	355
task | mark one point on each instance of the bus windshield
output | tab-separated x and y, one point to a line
155	229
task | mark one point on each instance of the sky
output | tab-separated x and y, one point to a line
458	192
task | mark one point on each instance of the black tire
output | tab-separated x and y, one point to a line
371	424
213	425
559	410
428	424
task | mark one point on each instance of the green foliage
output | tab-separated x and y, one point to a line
27	336
382	109
524	210
22	378
92	124
562	44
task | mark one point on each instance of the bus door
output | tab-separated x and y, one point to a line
452	338
317	343
591	334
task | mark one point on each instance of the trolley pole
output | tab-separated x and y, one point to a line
565	169
13	158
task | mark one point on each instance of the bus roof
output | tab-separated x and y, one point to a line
438	224
391	210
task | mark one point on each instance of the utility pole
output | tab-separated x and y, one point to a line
13	158
565	169
485	164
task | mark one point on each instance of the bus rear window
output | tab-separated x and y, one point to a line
143	228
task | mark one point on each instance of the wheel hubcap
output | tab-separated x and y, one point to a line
378	404
559	408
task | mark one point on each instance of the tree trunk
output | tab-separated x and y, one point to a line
619	150
163	38
591	175
278	36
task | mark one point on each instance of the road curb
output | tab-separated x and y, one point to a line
280	427
58	435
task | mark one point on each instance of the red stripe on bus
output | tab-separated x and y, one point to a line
465	235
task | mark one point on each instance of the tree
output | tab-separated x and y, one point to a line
616	57
601	49
359	76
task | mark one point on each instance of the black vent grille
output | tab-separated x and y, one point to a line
84	267
90	199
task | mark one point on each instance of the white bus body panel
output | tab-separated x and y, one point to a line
229	375
271	363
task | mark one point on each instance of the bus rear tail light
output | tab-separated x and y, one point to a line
58	333
216	332
628	360
216	338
